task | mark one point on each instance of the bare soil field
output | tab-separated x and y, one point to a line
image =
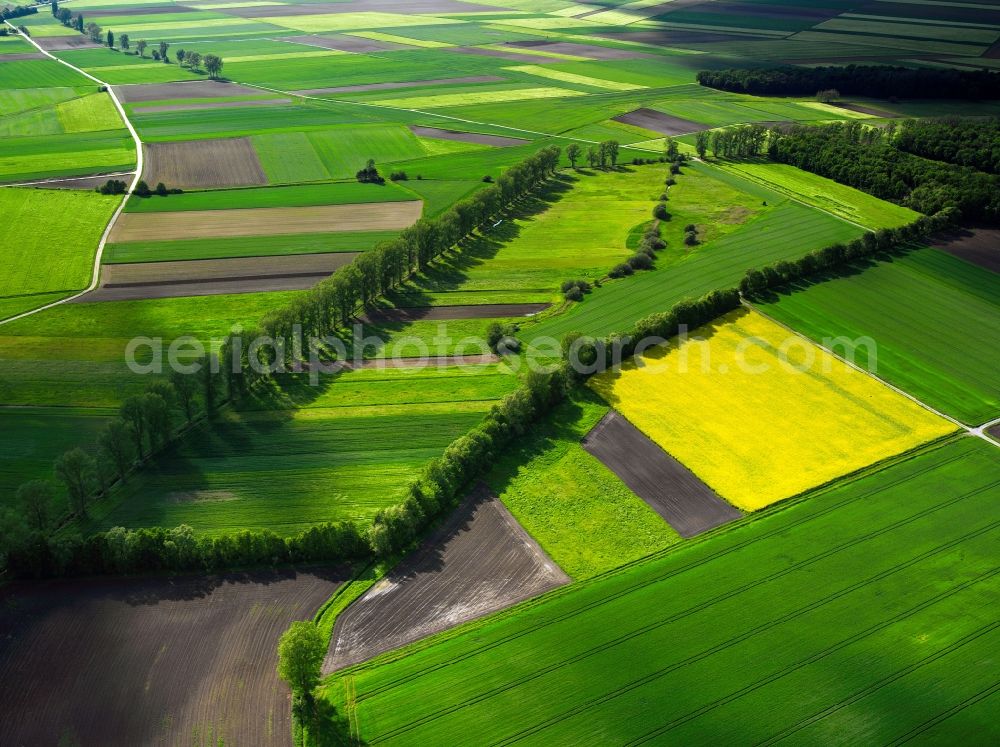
448	313
408	84
994	432
684	501
185	660
583	50
478	138
478	562
344	43
21	56
981	246
193	89
62	43
650	119
866	109
208	105
82	182
225	162
376	216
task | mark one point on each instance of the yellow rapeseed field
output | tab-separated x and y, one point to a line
731	406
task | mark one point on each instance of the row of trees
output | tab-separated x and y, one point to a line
881	81
745	141
17	11
973	142
599	156
193	60
835	257
865	158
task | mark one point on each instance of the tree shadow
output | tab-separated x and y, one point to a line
328	728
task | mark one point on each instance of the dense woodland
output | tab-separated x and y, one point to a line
973	142
880	81
863	157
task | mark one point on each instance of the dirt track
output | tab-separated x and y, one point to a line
203	277
223	162
151	661
466	137
478	562
376	216
654	121
435	313
684	501
980	246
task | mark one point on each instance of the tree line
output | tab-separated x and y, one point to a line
17	11
972	142
865	158
881	81
836	257
146	422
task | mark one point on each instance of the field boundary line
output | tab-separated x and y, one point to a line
96	271
970	430
65	179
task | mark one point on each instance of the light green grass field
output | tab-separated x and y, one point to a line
864	595
54	155
923	321
51	238
89	114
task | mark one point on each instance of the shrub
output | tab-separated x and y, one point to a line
398	176
660	212
690	228
574	294
488	179
494	333
621	270
142	189
670	181
582	285
691	239
675	168
664	197
640	261
653	242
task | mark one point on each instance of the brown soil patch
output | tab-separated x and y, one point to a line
981	246
225	162
208	105
994	432
583	50
435	313
480	561
736	215
865	109
664	124
407	84
62	43
377	216
467	137
205	277
670	488
139	8
202	496
185	660
193	89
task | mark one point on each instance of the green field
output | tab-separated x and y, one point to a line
872	593
931	317
783	230
337	452
51	238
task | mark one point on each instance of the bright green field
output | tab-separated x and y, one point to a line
933	318
337	452
786	230
50	238
31	158
343	193
863	596
844	202
252	246
550	483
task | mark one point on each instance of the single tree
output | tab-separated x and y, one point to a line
670	149
301	651
94	32
180	56
76	468
79	23
141	47
701	143
35	499
157	414
161	189
613	146
111	39
123	42
573	152
55	7
115	441
593	157
185	386
213	65
134	415
163	51
64	16
828	95
193	60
